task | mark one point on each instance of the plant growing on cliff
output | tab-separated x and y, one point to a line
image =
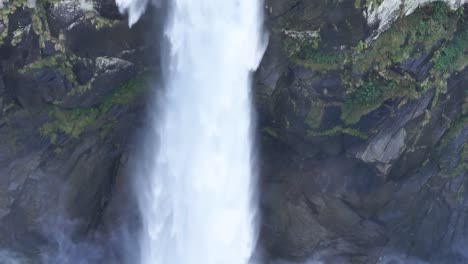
454	56
370	95
425	28
70	122
319	60
73	122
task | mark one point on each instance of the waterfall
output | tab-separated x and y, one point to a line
134	8
196	199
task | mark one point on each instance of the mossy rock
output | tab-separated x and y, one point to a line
74	122
408	37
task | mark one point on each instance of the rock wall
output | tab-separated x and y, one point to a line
73	83
358	137
384	13
363	144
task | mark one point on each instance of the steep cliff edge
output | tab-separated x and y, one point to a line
363	141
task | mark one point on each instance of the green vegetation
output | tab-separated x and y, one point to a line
8	9
371	94
127	93
63	64
294	42
321	61
70	122
454	56
102	22
39	21
59	62
338	130
304	50
73	122
361	46
270	131
410	36
423	30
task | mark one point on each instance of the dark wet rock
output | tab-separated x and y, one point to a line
25	49
388	186
63	14
108	9
65	121
83	71
419	67
38	87
398	171
49	48
389	142
110	74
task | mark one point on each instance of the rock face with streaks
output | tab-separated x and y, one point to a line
73	79
357	135
362	110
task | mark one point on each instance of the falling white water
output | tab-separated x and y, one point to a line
134	9
197	205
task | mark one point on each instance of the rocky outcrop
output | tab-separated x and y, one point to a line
363	143
383	13
73	82
357	136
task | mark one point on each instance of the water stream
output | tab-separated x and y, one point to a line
197	204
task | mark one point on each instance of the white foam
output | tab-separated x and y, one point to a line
134	8
196	193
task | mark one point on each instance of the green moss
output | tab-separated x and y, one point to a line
360	47
17	36
427	117
52	61
8	9
371	94
338	130
357	4
102	22
73	122
454	56
59	62
39	22
127	93
295	41
306	52
423	29
58	150
270	131
319	60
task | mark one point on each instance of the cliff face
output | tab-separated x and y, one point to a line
363	140
73	80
